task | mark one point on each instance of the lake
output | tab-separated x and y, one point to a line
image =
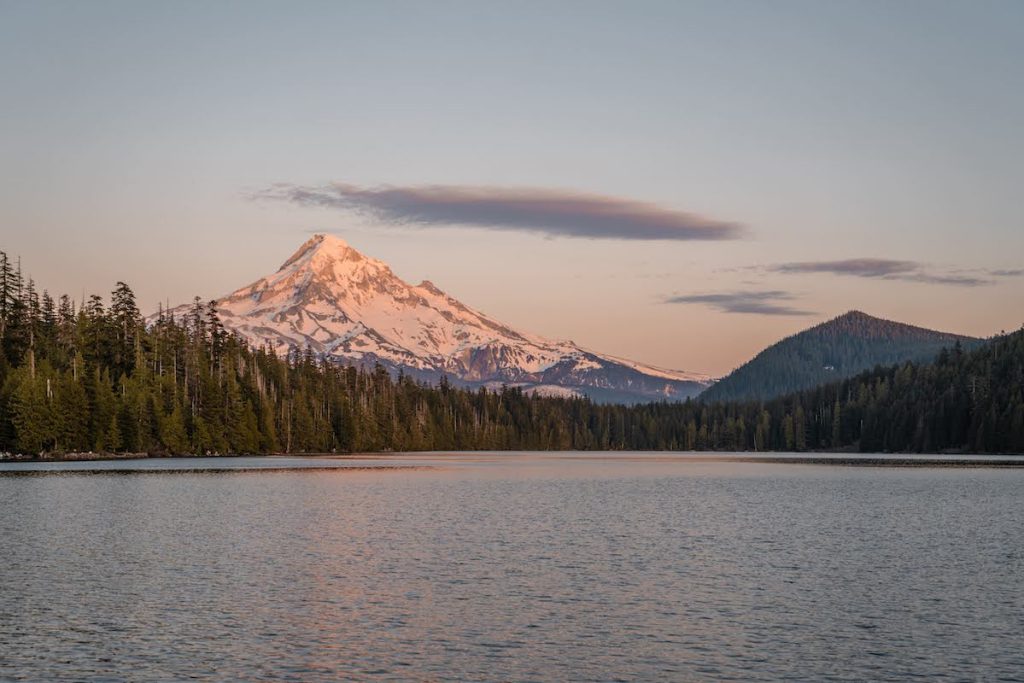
525	567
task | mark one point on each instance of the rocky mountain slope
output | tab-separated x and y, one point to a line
351	308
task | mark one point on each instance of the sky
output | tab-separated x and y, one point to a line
680	183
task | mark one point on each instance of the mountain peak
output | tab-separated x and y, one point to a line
321	246
352	309
852	318
860	324
856	315
830	351
329	242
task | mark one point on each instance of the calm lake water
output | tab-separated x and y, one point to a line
489	567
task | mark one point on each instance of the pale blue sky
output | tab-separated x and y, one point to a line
131	135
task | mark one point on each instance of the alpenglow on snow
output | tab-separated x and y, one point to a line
352	309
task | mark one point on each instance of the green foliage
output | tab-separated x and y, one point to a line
828	352
99	379
31	413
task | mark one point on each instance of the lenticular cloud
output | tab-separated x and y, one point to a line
554	213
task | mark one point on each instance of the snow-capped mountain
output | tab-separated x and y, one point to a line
350	308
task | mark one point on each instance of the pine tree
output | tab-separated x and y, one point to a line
172	431
72	407
837	425
800	429
112	439
125	321
187	386
31	413
6	294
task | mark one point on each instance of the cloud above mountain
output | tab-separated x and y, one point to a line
769	302
886	269
555	213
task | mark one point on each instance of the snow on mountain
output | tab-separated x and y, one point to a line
351	308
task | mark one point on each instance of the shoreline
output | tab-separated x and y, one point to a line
834	458
894	461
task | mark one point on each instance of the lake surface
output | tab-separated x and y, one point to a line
546	567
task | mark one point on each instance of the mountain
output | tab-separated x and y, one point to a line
350	308
829	352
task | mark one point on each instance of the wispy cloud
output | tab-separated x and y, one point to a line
1007	272
770	302
550	212
860	267
884	269
939	279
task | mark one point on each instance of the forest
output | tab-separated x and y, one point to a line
831	351
96	377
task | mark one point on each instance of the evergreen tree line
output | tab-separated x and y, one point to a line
95	377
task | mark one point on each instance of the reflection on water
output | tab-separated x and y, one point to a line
531	567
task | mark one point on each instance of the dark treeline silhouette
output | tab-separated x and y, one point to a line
96	378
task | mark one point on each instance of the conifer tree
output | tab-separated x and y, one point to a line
97	378
172	432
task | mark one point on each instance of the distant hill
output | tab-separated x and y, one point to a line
829	352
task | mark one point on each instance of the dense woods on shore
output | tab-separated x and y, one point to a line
94	377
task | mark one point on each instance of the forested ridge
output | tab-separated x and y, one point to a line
829	352
95	377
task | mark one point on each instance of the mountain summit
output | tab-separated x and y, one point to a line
833	350
351	308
